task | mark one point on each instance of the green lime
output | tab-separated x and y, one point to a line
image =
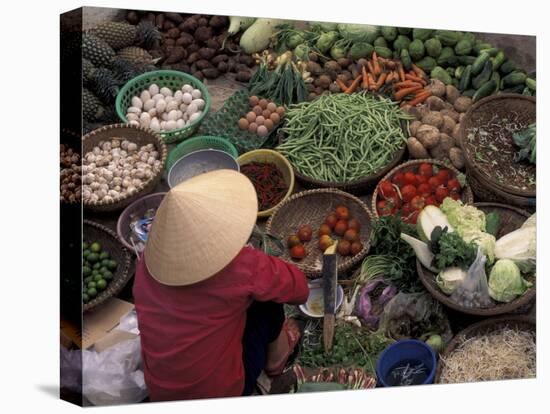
95	272
92	292
104	262
95	247
97	266
85	297
86	271
103	269
101	284
88	279
112	265
103	255
91	285
107	275
85	246
98	277
86	253
93	257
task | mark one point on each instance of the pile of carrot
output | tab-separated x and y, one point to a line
408	86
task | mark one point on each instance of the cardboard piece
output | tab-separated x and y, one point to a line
98	322
112	338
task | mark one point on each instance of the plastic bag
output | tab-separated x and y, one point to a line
474	291
372	299
414	315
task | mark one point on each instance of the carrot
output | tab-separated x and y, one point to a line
354	85
406	84
419	72
342	85
389	78
370	67
395	75
372	82
376	64
365	78
380	81
390	64
415	78
419	98
405	91
401	72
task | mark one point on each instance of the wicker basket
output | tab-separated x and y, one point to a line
138	135
511	218
311	207
467	196
500	105
482	328
200	143
163	78
109	240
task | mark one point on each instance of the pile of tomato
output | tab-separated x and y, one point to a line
407	192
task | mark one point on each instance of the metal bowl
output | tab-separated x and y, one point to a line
200	162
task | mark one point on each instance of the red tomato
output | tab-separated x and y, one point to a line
431	201
399	179
408	192
406	210
410	178
453	185
384	208
434	182
395	202
455	196
420	179
441	193
418	203
443	175
413	217
386	189
425	170
424	189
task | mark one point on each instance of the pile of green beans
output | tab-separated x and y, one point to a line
341	138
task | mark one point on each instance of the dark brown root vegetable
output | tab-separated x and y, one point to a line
438	152
182	67
231	65
324	81
159	21
362	62
169	25
310	87
190	25
314	68
207	53
192	48
175	17
199	75
416	149
150	17
132	17
344	77
241	67
193	57
210	73
186	39
169	42
428	135
313	57
177	54
173	33
312	96
451	94
203	22
332	65
223	67
213	44
332	73
218	21
181	26
203	33
343	62
219	58
203	64
334	88
435	103
243	76
247	60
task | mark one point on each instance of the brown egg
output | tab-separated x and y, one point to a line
257	110
251	116
262	131
266	113
253	101
281	111
260	120
253	127
243	124
268	123
271	107
275	118
263	103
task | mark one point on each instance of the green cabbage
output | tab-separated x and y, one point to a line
520	246
326	40
505	281
359	32
449	279
484	240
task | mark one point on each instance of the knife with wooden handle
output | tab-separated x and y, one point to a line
329	276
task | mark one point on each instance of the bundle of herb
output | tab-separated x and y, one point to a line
451	250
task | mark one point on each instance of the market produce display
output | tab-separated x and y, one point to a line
268	181
70	175
264	115
341	138
163	109
117	168
332	379
97	269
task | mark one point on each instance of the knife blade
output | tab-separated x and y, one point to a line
329	276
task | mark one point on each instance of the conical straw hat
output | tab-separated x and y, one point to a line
200	227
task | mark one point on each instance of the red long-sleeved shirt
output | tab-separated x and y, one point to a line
191	335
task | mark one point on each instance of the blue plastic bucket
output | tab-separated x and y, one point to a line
406	361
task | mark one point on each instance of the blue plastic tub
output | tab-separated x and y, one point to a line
406	362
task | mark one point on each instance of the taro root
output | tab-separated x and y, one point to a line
213	44
206	53
218	21
159	20
223	67
168	25
343	62
173	33
175	17
177	54
132	17
314	68
247	60
182	67
203	22
192	48
203	64
198	74
219	58
210	73
193	57
203	33
190	25
185	39
243	76
332	65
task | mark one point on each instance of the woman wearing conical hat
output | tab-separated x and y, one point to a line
210	309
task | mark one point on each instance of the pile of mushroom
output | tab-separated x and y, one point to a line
116	169
162	109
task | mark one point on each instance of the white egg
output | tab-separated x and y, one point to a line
180	123
166	91
180	114
134	110
173	104
199	102
163	125
160	106
164	116
152	112
178	95
187	98
145	120
136	123
192	108
153	89
194	116
137	102
173	115
196	94
145	96
187	88
132	117
183	107
148	104
154	125
157	97
169	99
170	125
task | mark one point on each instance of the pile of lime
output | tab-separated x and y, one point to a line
97	269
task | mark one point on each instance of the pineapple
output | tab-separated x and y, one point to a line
88	70
105	85
148	35
96	50
116	34
136	55
91	106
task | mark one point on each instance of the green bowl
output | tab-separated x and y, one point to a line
163	78
200	143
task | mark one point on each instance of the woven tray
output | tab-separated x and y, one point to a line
511	218
481	328
311	207
224	123
500	105
138	135
466	196
109	240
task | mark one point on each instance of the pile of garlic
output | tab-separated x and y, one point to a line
116	169
161	109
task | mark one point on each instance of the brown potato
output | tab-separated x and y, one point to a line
457	157
413	127
450	113
435	103
438	152
448	125
446	142
416	149
437	88
428	135
433	118
451	93
463	103
456	132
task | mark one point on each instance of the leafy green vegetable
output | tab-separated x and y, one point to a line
505	281
526	140
520	246
451	250
451	278
492	223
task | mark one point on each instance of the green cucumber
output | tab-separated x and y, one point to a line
479	63
465	79
496	77
514	89
484	75
479	46
514	78
531	83
498	60
466	60
459	71
406	59
507	67
492	51
485	90
527	91
384	52
469	92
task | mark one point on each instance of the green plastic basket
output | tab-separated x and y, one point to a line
224	123
163	78
200	143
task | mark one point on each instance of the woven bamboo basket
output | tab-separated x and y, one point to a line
140	136
466	196
481	328
311	207
489	188
110	242
511	218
